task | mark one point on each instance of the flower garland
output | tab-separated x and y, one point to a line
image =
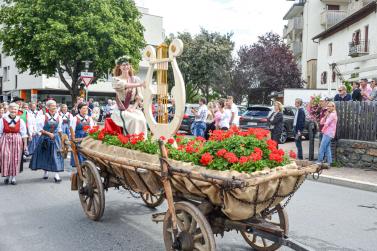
243	151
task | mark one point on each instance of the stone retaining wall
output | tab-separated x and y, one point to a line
355	153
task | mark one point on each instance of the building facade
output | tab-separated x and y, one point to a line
33	88
347	51
316	16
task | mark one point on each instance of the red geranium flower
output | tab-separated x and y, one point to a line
221	152
199	138
190	149
231	157
243	159
86	128
292	154
134	140
206	159
162	138
171	141
101	135
272	145
123	138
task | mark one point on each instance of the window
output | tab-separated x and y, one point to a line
324	78
366	36
330	49
333	77
258	112
356	37
288	112
333	7
5	74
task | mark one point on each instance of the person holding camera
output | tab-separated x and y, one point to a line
329	129
199	126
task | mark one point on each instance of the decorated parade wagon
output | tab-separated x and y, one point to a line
236	180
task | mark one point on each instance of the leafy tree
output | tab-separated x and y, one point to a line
54	37
206	63
268	65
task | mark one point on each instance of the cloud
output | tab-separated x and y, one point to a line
247	19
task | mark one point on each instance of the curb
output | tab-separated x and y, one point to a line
366	186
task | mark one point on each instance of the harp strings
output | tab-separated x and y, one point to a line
162	85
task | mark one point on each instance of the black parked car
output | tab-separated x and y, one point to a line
256	116
188	118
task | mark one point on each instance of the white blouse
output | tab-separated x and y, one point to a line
66	116
78	117
41	121
23	130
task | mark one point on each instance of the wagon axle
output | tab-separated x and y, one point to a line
87	191
184	242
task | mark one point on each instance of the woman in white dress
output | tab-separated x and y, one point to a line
129	115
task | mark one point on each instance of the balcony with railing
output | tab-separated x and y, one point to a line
296	47
332	17
357	49
296	23
354	6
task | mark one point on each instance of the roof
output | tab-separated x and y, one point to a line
296	9
351	19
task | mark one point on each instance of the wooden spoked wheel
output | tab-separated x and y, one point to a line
194	231
91	193
153	200
280	219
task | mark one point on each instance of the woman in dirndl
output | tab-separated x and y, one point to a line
80	124
13	137
66	117
47	155
129	115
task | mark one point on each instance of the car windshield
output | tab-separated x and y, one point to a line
257	112
188	109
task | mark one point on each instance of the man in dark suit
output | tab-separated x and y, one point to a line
298	125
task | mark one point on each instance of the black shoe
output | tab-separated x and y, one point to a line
13	183
6	181
45	177
57	180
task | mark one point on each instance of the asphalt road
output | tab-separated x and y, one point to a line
41	215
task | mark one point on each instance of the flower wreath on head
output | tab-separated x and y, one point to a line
123	59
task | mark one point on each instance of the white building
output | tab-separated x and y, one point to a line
348	49
30	87
308	18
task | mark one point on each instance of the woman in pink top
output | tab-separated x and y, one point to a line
329	129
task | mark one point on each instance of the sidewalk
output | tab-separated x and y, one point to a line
363	179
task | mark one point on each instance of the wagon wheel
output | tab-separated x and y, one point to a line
194	231
280	219
153	200
91	192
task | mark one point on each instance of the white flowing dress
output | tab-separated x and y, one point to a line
131	117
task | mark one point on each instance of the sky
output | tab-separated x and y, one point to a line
247	19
